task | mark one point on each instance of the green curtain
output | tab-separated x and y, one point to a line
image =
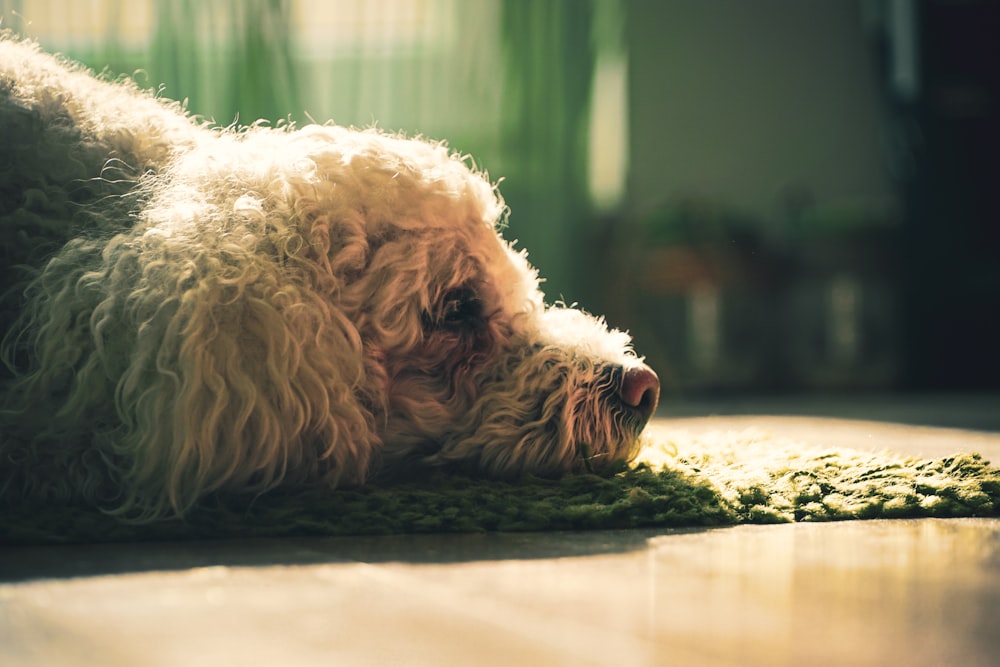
549	61
249	40
225	58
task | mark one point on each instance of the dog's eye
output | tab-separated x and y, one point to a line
459	307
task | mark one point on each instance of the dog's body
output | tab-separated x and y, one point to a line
233	310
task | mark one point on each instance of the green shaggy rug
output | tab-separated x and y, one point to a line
706	480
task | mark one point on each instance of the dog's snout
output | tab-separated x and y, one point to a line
640	390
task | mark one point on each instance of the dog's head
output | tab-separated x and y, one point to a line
465	364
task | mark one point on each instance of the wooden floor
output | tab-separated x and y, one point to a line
921	592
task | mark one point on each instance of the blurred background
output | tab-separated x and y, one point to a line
775	197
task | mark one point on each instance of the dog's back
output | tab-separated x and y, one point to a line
70	147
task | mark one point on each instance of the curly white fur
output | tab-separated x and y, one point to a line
234	310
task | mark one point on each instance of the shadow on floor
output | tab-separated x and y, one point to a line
87	560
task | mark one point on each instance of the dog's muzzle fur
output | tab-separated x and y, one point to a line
231	310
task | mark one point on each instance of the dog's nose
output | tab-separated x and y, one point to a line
640	390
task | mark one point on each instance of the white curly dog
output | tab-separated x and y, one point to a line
226	311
